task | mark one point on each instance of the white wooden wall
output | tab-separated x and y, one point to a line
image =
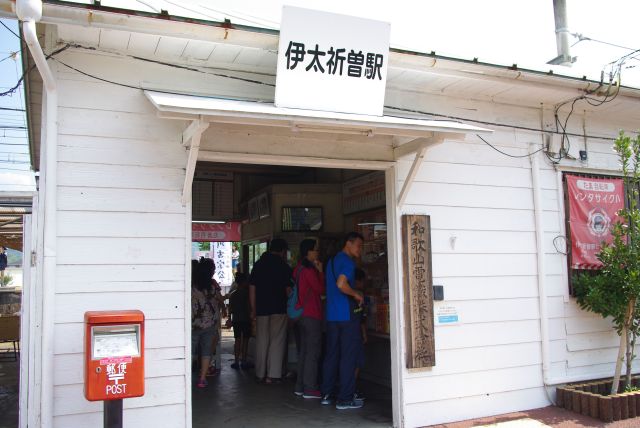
121	244
121	240
491	363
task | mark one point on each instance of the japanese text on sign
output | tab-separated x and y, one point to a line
593	209
359	64
418	291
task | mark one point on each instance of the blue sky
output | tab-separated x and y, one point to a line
14	160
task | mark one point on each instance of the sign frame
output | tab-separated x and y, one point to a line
418	291
331	62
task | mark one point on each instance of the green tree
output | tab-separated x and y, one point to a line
614	290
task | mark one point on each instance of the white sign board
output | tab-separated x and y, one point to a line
446	315
221	255
331	62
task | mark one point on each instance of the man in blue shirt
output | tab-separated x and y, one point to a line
343	325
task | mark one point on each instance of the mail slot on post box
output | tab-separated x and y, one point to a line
113	355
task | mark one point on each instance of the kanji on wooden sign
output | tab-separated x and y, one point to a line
418	291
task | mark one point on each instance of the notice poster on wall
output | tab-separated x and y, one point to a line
221	254
446	314
593	204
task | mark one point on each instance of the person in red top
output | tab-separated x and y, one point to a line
310	279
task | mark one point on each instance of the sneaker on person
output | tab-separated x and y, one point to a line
235	366
298	393
326	399
358	396
353	404
312	393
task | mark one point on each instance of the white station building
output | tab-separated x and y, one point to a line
133	109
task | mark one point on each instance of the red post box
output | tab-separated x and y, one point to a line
113	355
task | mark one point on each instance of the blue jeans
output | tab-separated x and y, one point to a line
343	341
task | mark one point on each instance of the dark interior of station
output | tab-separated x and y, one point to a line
295	203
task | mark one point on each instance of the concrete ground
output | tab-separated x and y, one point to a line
9	382
234	399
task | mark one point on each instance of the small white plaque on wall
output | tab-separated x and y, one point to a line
446	314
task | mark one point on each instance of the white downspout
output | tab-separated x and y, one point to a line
30	12
541	273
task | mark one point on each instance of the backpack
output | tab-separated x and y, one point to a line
294	311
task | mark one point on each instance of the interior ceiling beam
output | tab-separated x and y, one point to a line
191	138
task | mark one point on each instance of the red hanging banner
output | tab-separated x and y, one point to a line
212	232
593	204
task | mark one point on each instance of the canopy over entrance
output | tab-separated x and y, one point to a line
246	112
404	136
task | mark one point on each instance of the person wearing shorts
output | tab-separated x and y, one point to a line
203	320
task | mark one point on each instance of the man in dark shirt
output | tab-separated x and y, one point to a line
270	282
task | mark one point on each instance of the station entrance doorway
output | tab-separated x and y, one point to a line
295	203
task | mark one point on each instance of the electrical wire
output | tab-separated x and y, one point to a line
484	122
582	38
10	30
11	55
560	127
507	154
17	85
456	118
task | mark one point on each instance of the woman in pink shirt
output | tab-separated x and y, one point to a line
310	279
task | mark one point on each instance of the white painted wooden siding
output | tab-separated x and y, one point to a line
121	240
491	361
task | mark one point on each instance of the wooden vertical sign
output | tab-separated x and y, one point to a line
418	291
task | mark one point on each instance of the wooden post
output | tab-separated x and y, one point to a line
594	406
418	291
606	409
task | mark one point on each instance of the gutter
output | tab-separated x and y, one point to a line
30	12
541	271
